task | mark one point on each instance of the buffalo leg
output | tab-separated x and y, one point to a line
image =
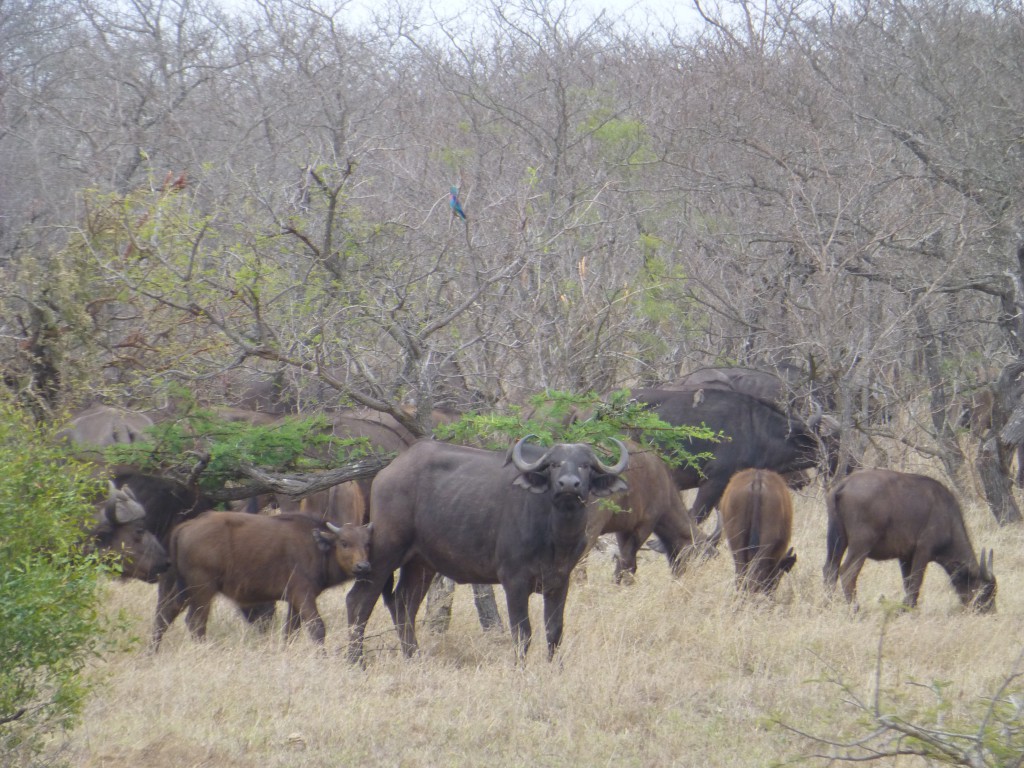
741	564
199	602
708	495
359	604
260	615
913	578
625	561
169	603
293	622
305	608
413	583
849	571
836	546
517	600
486	607
554	612
759	573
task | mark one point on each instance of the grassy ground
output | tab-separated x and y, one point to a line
660	673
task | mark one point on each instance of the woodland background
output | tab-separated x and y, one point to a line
255	195
251	202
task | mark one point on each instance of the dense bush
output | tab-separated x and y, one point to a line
49	623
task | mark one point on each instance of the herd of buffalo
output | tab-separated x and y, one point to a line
525	518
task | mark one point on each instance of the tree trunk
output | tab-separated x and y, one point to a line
439	605
949	449
995	456
995	479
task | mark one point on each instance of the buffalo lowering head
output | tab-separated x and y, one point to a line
121	530
979	593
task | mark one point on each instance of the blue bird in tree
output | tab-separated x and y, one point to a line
453	202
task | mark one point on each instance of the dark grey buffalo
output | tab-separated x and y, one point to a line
763	385
885	515
481	517
99	426
167	503
757	435
254	560
120	529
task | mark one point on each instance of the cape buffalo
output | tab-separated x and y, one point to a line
757	435
339	504
757	516
764	385
167	502
252	560
651	504
886	515
480	517
120	528
100	426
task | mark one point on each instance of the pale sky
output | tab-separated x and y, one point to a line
636	13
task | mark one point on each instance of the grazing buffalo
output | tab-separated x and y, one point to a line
886	515
651	504
253	560
120	528
757	435
481	517
757	516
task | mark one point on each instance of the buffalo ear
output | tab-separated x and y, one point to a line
605	485
324	539
534	482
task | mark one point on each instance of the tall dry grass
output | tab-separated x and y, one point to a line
661	673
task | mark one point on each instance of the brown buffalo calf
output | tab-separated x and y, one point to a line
651	504
885	515
253	559
757	516
339	504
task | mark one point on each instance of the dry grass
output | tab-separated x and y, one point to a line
681	673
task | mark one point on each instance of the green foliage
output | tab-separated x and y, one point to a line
555	416
287	445
620	140
49	590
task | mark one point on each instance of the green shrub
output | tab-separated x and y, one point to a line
49	623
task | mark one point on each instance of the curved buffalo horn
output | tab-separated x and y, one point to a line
986	566
622	463
520	462
332	527
127	508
